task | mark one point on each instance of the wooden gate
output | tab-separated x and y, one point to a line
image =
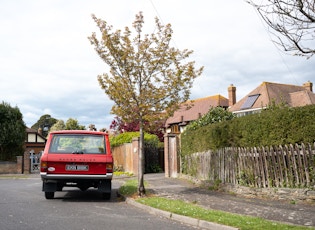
172	161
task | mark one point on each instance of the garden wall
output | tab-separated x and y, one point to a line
8	167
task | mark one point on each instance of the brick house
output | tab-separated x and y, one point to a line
267	93
259	98
176	124
34	140
196	109
34	143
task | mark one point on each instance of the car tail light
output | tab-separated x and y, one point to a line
109	168
43	166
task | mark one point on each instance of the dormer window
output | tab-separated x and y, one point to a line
250	101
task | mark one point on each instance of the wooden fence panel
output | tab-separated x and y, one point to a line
305	156
299	165
275	168
282	166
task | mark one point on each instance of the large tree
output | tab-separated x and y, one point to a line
147	78
12	132
292	22
71	124
45	122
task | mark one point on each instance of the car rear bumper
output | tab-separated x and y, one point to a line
46	176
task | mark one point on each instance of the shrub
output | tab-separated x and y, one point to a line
128	136
214	115
278	125
12	132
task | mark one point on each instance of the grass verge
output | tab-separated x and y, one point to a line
192	210
129	188
120	173
14	176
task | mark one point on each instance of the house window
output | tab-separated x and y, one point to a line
251	99
175	129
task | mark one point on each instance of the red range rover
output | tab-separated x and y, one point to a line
77	158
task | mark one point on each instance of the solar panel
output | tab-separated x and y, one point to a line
250	101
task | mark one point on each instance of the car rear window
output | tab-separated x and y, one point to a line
77	144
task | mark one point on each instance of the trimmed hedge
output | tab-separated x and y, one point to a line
127	138
278	125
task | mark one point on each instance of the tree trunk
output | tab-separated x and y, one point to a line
141	189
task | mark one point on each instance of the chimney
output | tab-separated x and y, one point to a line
232	94
40	131
92	127
308	85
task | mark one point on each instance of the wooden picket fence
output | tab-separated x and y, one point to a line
282	166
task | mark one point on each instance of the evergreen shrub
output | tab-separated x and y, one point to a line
277	125
128	136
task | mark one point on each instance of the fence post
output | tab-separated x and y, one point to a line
171	158
19	164
27	162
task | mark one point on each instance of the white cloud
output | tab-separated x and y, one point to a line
49	66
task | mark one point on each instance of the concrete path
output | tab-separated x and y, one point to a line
299	214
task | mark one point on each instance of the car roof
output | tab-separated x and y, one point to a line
78	132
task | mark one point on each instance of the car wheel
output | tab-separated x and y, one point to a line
49	195
106	196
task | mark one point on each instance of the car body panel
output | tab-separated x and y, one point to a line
76	158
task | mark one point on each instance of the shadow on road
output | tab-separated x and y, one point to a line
91	195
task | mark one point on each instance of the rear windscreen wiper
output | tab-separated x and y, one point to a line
77	152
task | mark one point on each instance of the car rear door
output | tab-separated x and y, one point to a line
79	154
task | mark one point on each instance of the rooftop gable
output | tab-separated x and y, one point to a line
274	92
33	131
302	98
194	109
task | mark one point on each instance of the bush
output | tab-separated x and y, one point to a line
278	125
128	136
214	115
12	129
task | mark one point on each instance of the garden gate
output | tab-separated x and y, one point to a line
35	161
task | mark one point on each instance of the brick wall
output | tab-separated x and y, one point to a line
20	166
8	167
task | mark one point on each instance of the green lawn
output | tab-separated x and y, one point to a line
192	210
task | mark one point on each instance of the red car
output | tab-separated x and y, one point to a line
77	158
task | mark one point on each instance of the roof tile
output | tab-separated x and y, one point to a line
196	108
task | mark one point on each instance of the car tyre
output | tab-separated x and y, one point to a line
49	195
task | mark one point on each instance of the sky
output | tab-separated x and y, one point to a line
48	66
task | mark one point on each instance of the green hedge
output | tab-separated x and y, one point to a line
128	136
274	126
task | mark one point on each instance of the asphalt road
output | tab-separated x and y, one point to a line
23	206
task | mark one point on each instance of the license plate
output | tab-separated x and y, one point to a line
77	167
